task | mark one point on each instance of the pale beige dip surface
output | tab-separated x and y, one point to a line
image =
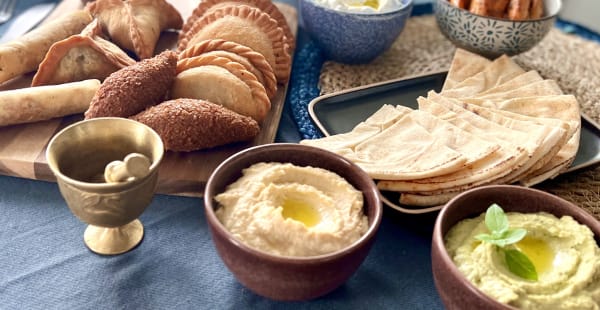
564	252
290	210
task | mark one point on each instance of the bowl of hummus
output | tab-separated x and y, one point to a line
291	222
354	31
553	263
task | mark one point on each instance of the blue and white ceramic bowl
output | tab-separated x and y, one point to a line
490	36
353	38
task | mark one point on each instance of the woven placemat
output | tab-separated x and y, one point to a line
572	61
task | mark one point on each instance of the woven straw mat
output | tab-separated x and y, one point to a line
572	61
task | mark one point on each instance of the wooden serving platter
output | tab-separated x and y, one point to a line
23	147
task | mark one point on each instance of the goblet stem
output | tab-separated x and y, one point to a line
113	240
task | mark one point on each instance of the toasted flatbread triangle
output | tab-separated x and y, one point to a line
374	124
501	70
528	77
537	139
563	107
464	64
485	170
406	150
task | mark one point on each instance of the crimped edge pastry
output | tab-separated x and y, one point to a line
257	60
261	102
278	57
266	6
109	53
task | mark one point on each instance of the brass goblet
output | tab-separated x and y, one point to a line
78	155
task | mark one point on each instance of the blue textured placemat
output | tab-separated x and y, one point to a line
309	60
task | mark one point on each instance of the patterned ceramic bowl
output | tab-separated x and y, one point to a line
353	38
492	37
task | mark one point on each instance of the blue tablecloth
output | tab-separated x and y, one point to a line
45	265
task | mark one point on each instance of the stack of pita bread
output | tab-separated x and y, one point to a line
492	123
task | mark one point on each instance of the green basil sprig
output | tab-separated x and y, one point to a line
504	238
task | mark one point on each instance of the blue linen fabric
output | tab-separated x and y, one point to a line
44	263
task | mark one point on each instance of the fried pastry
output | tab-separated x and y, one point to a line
190	124
136	25
247	26
221	81
24	54
266	6
252	61
32	104
537	9
134	88
479	7
463	4
81	57
518	9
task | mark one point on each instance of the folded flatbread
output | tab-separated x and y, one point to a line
464	65
24	54
501	70
33	104
405	151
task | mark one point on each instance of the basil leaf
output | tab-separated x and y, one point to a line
495	220
485	237
514	235
520	265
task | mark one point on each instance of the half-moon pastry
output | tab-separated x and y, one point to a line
25	53
132	89
190	124
266	6
247	26
221	81
80	57
253	61
32	104
136	25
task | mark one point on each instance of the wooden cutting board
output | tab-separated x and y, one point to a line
23	147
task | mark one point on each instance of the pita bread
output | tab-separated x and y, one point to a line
402	149
425	200
464	65
516	82
501	70
563	107
374	124
537	139
480	172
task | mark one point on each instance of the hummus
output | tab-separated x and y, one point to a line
362	6
289	210
564	252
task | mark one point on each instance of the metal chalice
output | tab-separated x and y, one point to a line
78	156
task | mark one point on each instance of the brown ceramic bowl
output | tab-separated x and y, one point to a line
290	278
455	290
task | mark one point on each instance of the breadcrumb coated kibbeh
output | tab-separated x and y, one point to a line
132	89
192	124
